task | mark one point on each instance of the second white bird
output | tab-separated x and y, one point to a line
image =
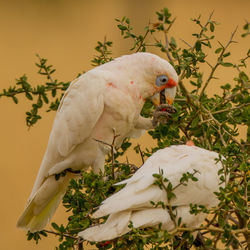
133	202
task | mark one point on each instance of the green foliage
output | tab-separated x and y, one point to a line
104	53
212	122
246	28
38	95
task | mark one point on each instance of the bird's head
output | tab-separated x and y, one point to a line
164	79
157	75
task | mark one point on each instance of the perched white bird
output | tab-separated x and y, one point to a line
133	202
107	98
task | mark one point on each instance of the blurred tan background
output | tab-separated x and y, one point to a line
66	32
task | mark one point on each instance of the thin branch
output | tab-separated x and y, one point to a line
246	84
103	142
167	41
221	128
141	154
103	54
216	239
210	228
113	153
211	75
203	28
80	244
230	109
33	91
190	46
143	39
61	234
206	138
112	146
218	124
185	91
46	70
169	206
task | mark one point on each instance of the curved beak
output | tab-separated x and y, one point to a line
168	94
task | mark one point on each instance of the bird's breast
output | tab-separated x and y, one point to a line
119	116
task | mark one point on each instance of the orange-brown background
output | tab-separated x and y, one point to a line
66	32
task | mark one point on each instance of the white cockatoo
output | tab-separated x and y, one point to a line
107	98
133	202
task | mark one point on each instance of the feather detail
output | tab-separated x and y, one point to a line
135	198
105	98
44	203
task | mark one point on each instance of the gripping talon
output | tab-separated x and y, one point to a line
162	114
166	107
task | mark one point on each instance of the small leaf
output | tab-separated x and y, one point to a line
198	46
227	54
226	64
217	51
15	99
246	26
30	236
55	226
173	42
211	27
121	27
29	96
127	21
45	98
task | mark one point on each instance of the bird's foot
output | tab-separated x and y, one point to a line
162	114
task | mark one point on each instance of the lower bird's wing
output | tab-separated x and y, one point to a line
140	189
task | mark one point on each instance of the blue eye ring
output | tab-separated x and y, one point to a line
161	80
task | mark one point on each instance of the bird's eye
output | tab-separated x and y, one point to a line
161	80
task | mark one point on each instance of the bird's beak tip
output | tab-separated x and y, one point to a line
156	99
169	100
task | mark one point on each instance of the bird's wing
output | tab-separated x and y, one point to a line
174	161
80	109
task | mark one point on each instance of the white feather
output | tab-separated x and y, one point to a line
105	98
135	198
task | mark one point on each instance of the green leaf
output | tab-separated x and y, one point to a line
217	51
55	226
15	99
45	98
173	42
227	54
198	46
211	27
226	64
122	27
246	26
29	96
30	236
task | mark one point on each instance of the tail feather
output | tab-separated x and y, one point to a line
117	223
43	205
115	226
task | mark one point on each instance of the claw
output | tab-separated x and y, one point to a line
163	113
166	108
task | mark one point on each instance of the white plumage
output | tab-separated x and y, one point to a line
107	98
132	203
